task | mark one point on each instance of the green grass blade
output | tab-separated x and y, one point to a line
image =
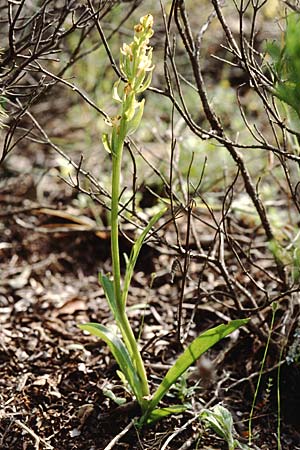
120	354
135	253
200	345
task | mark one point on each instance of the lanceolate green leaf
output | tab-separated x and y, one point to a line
108	288
200	345
160	413
120	354
135	253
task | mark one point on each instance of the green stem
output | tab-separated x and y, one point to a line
125	327
274	308
116	173
279	447
128	335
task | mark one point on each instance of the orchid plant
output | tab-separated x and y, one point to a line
136	68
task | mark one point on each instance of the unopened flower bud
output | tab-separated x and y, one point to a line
138	28
147	21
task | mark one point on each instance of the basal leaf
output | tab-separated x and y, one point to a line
160	413
120	354
200	345
117	311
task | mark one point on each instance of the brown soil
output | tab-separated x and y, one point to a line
53	376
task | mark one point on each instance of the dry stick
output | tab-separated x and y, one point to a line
185	273
195	417
194	55
80	23
47	46
38	440
227	31
105	43
253	375
118	437
74	88
171	178
246	61
91	178
96	18
77	167
230	243
83	172
210	134
183	110
178	431
230	282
